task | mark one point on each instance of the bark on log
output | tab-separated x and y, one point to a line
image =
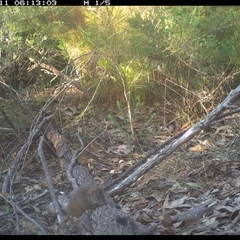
108	219
105	220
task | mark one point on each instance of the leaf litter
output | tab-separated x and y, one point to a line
194	191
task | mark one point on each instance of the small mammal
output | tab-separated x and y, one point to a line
82	199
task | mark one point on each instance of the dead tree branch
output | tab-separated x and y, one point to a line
49	179
13	169
105	219
165	150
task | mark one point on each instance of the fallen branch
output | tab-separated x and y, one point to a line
49	179
52	69
9	178
194	213
160	153
104	219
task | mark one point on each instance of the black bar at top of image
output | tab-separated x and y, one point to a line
79	3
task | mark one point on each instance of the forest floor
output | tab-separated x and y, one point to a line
205	168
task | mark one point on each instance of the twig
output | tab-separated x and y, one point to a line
143	160
14	205
59	73
162	153
49	180
127	100
73	162
41	228
12	171
77	153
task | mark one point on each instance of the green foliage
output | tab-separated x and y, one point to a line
160	53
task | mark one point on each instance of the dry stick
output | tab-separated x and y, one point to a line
56	72
144	159
127	100
49	179
70	81
187	135
126	97
20	104
92	98
9	178
73	162
33	199
59	73
108	213
9	156
150	153
69	170
11	173
41	228
77	153
237	110
194	213
14	205
14	208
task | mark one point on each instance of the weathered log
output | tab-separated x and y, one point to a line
106	219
